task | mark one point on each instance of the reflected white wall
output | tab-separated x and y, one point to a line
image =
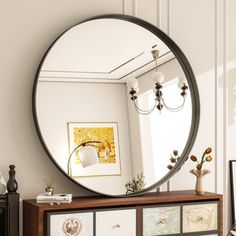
84	102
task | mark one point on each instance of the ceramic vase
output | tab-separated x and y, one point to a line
3	184
199	188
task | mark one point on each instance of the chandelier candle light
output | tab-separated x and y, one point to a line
158	78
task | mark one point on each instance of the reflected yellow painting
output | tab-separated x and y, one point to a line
105	135
107	149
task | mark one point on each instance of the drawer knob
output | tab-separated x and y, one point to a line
115	226
162	221
200	218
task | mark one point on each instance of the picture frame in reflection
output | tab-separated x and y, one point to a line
106	133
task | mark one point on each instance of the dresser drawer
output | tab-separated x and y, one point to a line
70	224
161	220
116	222
200	217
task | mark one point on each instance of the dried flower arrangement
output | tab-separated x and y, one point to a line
205	158
173	159
199	172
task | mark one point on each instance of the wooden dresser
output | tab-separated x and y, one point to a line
165	213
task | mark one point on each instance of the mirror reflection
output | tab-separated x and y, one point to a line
113	104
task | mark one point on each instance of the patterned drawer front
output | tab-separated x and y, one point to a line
161	220
70	224
201	217
116	223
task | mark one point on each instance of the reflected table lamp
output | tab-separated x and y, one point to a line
88	155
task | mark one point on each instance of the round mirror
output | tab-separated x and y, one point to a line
116	105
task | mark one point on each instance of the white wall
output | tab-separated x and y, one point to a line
27	30
228	84
198	45
204	29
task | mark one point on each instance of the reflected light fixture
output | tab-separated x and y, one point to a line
158	78
88	155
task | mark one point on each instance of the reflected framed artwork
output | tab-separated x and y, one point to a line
107	149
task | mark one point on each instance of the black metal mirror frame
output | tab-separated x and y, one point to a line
185	65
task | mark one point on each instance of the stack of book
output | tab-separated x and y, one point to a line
55	198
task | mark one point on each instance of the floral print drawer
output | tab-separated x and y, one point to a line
200	217
161	220
116	222
70	224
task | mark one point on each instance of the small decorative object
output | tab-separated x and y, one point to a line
3	184
199	172
11	183
173	159
49	189
55	198
136	184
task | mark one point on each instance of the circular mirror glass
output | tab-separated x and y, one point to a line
103	112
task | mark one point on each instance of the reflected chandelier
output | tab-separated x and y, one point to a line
158	78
